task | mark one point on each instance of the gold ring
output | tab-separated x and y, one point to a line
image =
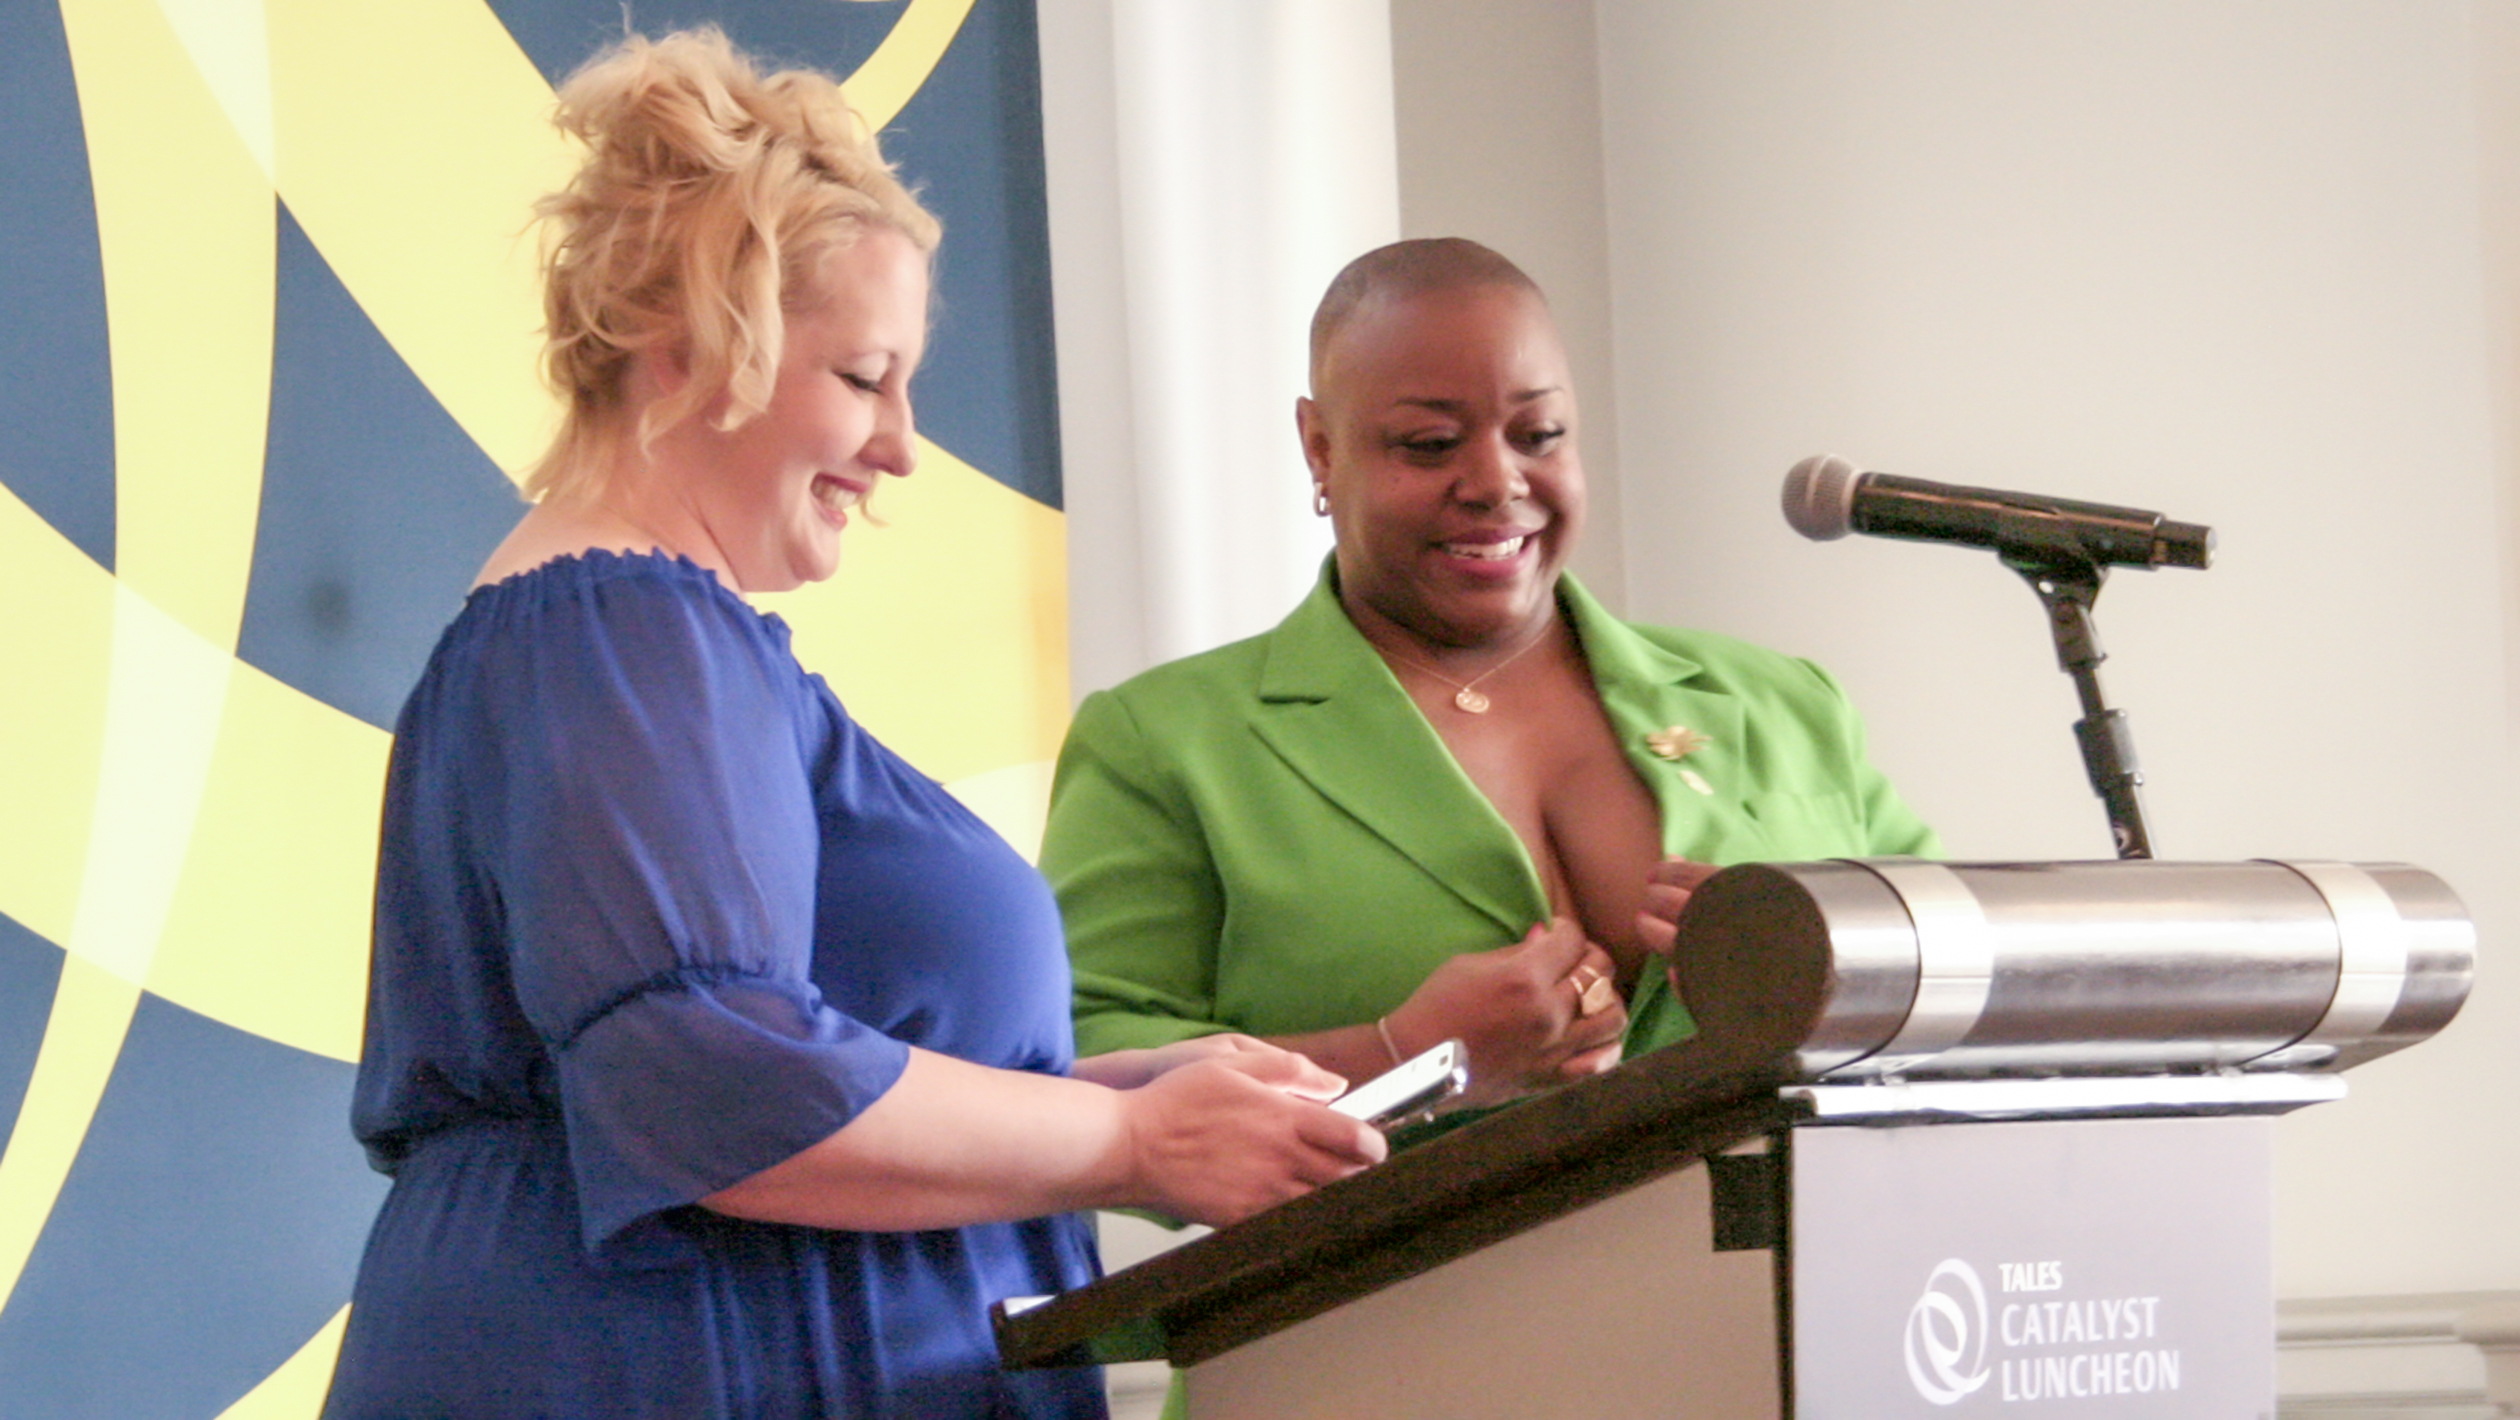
1593	991
1600	995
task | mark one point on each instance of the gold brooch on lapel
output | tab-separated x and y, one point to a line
1678	742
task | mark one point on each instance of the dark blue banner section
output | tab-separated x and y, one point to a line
56	382
377	508
211	1225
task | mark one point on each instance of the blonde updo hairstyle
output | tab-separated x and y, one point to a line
709	197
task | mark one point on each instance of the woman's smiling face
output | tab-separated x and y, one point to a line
1443	429
774	493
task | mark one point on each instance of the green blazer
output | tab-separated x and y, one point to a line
1270	837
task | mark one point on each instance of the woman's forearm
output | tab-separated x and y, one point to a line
1355	1052
952	1143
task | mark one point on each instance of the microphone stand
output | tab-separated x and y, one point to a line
2068	579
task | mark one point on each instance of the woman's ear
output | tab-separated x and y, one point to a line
662	370
1314	432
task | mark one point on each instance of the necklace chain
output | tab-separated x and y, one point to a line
1465	692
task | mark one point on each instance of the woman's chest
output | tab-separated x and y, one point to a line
1591	826
927	925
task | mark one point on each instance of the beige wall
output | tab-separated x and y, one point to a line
2221	259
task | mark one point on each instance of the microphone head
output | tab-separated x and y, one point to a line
1820	497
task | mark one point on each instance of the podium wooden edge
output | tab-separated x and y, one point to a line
1501	1175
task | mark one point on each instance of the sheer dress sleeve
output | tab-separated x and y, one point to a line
648	827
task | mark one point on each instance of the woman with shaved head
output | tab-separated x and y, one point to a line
1450	795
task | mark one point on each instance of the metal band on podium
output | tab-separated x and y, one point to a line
1968	970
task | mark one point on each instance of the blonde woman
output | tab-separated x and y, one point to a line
721	1060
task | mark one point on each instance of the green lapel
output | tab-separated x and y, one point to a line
1331	709
1333	712
1643	688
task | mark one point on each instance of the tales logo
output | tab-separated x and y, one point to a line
1946	1334
2066	1348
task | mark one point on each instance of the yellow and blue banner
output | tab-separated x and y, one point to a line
269	364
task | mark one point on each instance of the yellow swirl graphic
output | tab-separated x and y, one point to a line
185	824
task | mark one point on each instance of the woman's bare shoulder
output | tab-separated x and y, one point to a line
550	531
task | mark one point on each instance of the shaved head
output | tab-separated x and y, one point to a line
1404	269
1440	436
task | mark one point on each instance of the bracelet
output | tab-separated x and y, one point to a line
1382	1027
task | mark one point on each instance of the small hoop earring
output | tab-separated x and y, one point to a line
1321	500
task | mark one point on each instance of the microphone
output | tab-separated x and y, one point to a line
1826	498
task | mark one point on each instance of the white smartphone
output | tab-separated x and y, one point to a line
1408	1090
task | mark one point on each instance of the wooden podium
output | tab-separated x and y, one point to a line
1828	1206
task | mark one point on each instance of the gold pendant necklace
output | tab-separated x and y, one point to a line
1466	694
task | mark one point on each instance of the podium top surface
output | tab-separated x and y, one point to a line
1498	1176
1531	1163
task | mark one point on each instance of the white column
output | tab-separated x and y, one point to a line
1212	165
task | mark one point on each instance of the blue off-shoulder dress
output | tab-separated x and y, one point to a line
652	915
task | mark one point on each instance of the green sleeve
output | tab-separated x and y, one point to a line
1126	855
1890	827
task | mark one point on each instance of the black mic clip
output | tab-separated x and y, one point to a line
2067	580
2041	543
